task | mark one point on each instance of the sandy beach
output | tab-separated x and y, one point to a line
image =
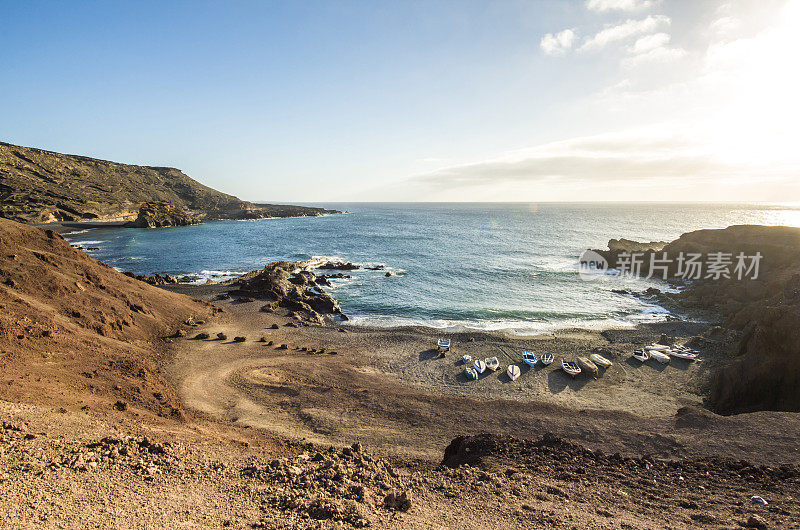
390	389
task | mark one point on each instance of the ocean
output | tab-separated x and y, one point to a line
456	266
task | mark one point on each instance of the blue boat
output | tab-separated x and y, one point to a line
529	358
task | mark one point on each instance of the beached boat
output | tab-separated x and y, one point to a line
548	359
599	360
656	347
529	358
480	366
659	356
682	354
513	372
467	359
588	365
443	345
571	367
641	355
492	364
470	373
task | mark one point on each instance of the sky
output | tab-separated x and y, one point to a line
586	100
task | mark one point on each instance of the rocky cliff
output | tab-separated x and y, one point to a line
765	310
38	186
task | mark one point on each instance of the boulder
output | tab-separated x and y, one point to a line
158	214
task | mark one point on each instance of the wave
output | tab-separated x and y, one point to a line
88	242
76	232
515	327
216	276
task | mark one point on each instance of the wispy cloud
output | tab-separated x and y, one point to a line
650	49
625	162
559	43
619	5
621	32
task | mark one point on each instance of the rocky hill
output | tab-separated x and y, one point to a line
38	186
76	334
763	311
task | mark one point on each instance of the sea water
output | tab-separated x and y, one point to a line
455	266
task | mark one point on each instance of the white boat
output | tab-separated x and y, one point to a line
513	372
480	366
599	360
570	367
659	356
443	345
470	373
641	355
547	359
587	365
466	359
681	354
492	364
529	358
656	347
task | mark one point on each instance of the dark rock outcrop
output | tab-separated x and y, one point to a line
340	265
764	311
161	214
289	285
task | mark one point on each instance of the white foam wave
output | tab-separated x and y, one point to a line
515	327
216	276
88	242
76	232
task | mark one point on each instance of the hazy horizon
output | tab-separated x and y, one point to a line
575	101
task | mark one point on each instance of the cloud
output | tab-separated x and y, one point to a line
649	43
623	163
661	54
652	49
559	43
629	28
724	25
619	5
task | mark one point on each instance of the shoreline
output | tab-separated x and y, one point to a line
398	367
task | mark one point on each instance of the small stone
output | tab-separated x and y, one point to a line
201	336
756	521
222	336
239	339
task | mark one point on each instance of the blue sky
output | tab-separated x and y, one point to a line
313	101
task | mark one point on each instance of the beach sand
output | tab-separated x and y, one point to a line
391	390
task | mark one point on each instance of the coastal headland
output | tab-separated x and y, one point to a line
39	186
